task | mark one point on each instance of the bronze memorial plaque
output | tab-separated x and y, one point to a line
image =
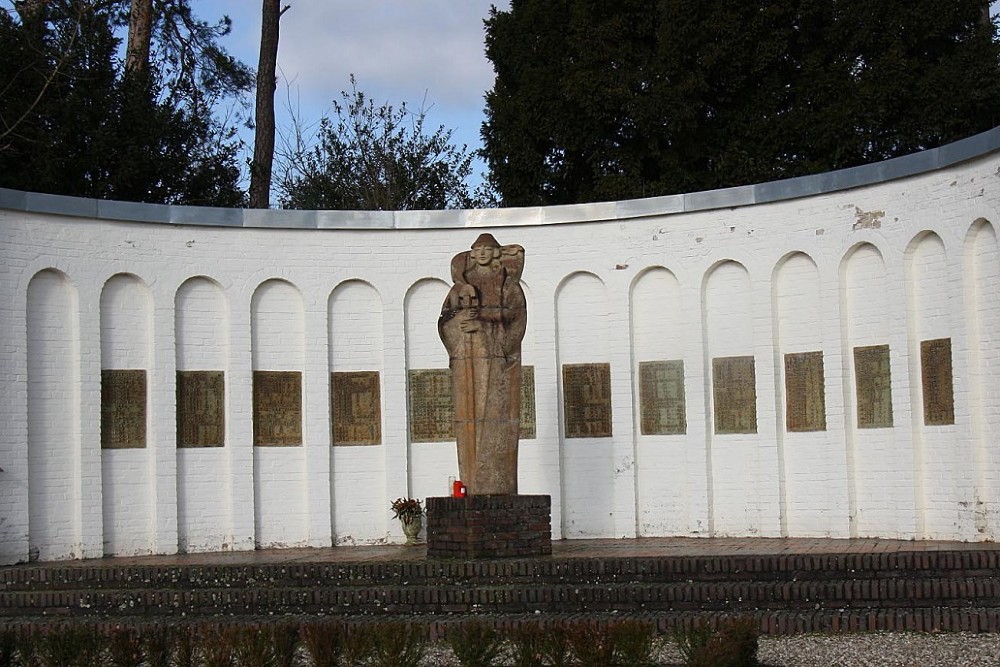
528	403
277	408
874	387
201	412
805	397
587	400
734	386
432	412
936	372
123	409
356	408
661	398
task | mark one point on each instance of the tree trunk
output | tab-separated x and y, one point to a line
140	25
263	146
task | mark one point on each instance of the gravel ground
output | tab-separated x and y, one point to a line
847	650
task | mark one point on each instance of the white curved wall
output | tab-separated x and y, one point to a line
894	263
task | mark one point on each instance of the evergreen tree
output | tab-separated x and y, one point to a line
597	100
73	122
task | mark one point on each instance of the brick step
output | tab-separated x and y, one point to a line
445	598
813	567
771	622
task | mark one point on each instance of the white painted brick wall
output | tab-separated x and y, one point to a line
359	473
204	485
737	288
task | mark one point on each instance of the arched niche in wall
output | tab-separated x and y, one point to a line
54	445
204	482
981	268
877	469
433	454
664	460
942	459
587	459
356	366
126	461
812	471
277	326
743	488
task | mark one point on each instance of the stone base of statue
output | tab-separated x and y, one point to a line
489	526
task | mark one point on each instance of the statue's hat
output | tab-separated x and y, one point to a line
485	239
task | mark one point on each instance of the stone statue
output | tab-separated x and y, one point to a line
482	324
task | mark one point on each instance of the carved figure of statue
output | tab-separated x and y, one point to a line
482	324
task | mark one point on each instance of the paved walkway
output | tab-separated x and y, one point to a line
603	548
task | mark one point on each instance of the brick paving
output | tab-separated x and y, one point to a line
644	547
789	585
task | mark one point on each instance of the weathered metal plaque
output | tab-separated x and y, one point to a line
936	372
123	409
873	383
661	398
201	412
734	386
587	400
527	403
277	408
805	396
432	412
356	408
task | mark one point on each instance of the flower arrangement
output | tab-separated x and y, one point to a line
406	509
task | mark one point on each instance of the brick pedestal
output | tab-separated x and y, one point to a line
489	526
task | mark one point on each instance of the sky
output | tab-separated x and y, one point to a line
427	53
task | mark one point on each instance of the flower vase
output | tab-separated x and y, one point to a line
411	528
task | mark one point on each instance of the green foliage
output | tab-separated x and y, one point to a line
475	644
597	100
733	644
72	122
374	158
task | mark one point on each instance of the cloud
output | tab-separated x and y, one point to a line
398	49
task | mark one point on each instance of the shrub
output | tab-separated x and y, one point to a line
216	645
157	643
475	643
185	647
526	646
253	646
68	645
324	642
635	643
359	641
8	647
397	645
733	644
124	647
591	646
286	644
555	648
